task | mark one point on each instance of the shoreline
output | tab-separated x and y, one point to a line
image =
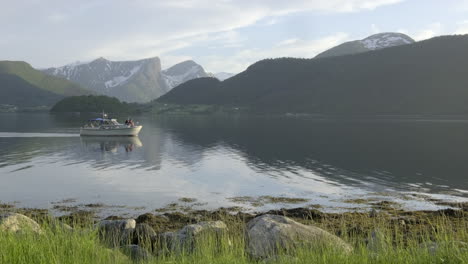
387	235
175	216
410	202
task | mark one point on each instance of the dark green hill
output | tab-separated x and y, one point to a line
41	80
428	77
93	104
200	90
16	91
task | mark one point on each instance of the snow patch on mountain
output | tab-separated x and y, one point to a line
69	70
131	81
181	73
118	80
385	40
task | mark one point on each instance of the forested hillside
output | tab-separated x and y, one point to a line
22	86
93	104
427	77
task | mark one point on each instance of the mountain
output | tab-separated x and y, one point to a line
130	81
41	80
374	42
133	81
182	72
23	86
427	77
16	91
222	75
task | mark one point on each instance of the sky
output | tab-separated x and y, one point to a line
220	35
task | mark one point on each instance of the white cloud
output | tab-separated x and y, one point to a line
432	30
305	48
403	31
287	42
122	29
375	29
462	28
288	48
170	60
57	18
272	21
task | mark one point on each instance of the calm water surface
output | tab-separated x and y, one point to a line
328	161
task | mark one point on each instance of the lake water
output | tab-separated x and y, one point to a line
44	162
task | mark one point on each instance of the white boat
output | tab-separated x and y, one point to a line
108	127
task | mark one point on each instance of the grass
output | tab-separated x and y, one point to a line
56	246
385	238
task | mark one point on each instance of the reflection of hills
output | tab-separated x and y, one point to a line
391	151
99	152
15	151
160	142
408	150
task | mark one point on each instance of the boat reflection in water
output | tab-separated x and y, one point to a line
111	144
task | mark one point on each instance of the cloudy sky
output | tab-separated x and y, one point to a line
221	35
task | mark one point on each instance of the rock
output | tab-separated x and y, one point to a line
165	242
267	234
136	253
433	247
142	235
117	224
195	229
155	221
126	238
376	242
13	222
300	212
186	238
57	226
116	232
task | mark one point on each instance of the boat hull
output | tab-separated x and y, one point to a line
127	131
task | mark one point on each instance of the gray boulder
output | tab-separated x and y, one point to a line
136	253
117	224
113	232
13	222
269	234
193	230
142	235
59	227
187	237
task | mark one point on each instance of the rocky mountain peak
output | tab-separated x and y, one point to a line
373	42
131	81
182	72
385	40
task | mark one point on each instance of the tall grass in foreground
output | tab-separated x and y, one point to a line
379	241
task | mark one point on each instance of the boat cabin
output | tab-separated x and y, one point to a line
98	122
